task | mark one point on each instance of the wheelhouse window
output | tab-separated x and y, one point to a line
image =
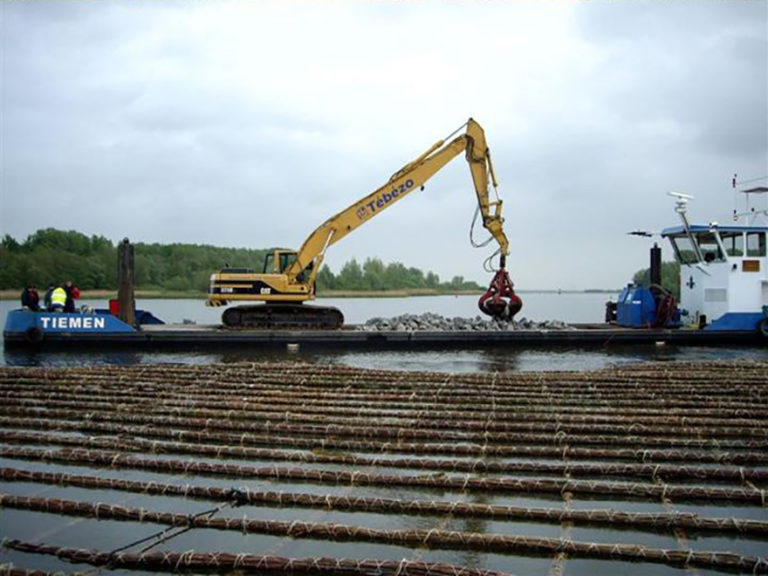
756	244
710	249
684	250
733	243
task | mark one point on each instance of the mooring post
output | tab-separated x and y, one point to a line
125	295
655	272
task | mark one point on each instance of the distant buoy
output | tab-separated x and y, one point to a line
293	347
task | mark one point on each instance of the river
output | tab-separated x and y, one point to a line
538	306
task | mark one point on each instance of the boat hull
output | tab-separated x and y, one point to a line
34	327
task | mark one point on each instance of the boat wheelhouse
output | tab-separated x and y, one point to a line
723	269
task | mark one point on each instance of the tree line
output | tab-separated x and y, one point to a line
54	256
375	275
670	277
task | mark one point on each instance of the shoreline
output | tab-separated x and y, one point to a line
171	295
401	293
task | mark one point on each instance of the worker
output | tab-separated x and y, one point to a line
30	298
58	299
47	297
73	293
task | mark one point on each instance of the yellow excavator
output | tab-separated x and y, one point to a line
288	277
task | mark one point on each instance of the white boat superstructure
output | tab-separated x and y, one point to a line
723	269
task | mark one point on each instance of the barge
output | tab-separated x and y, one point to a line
48	331
724	301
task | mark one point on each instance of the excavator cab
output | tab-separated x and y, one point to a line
278	261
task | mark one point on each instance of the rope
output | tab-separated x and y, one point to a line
538	546
445	482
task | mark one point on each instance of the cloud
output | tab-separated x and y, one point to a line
248	124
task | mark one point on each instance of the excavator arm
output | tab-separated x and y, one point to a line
412	176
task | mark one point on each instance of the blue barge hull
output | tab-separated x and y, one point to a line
78	331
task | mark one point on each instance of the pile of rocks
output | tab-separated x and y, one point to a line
435	322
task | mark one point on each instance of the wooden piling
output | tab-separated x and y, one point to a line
125	276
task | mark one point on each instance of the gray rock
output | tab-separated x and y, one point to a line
430	321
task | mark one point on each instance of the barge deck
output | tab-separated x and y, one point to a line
178	335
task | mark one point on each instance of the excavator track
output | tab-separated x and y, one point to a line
283	316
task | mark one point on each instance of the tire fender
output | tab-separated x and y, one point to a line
34	334
762	328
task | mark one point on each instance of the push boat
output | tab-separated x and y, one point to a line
723	276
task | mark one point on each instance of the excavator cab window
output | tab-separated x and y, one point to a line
269	263
286	259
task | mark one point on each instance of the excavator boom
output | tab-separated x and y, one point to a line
410	177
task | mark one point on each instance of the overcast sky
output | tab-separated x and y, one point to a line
250	123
